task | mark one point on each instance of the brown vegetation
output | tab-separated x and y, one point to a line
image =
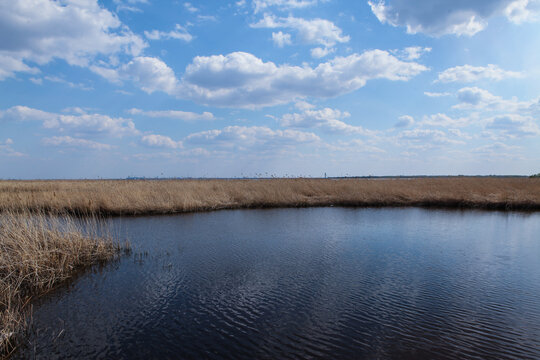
132	197
37	252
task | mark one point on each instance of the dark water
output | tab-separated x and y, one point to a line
306	283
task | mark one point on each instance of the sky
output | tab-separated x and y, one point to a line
260	88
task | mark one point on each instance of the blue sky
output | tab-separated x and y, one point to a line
268	87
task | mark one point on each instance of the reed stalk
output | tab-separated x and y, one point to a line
39	252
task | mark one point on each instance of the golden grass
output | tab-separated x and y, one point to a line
132	197
37	252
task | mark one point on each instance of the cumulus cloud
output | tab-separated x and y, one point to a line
243	80
242	137
468	73
173	114
520	11
68	141
501	118
321	52
281	39
179	33
442	17
316	31
303	105
76	31
80	123
327	119
150	73
9	65
161	141
404	121
514	125
477	98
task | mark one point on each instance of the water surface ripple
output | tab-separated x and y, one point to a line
306	283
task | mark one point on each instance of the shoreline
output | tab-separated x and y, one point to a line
38	254
151	197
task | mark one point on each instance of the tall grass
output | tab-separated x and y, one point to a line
38	252
131	197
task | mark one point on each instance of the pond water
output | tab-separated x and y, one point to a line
306	283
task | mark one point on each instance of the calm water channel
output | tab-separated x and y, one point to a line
306	283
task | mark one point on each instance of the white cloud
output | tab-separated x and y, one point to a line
514	125
173	114
179	33
316	31
76	31
520	11
476	98
261	5
7	149
281	39
444	120
427	138
496	148
321	52
161	141
240	79
436	94
150	73
326	119
412	52
81	123
37	81
442	17
404	121
68	141
303	105
56	79
110	74
74	110
128	5
10	65
207	18
468	73
242	137
243	80
189	7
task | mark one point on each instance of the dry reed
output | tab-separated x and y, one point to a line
37	252
133	197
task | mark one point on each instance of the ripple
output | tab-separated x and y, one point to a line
305	284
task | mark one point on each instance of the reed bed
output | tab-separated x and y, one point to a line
38	252
137	197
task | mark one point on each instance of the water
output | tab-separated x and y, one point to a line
306	283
